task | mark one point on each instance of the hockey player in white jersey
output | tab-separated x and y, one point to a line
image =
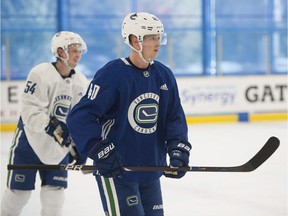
52	89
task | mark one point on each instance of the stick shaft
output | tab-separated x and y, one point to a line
264	153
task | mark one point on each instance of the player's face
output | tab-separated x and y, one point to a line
74	51
151	45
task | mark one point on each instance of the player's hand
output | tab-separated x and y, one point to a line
179	156
59	131
74	156
107	160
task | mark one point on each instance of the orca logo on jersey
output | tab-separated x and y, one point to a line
143	113
61	107
61	111
146	113
106	151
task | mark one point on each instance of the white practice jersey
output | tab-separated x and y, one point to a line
48	94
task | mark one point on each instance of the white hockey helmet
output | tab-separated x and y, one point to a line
141	24
63	39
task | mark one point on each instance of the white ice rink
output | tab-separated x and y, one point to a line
259	193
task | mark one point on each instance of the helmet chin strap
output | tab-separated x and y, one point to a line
141	55
65	61
143	59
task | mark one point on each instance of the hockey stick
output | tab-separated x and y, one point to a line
265	152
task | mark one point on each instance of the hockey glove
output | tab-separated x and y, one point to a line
179	156
74	157
107	160
59	131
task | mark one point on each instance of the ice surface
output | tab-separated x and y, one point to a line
259	193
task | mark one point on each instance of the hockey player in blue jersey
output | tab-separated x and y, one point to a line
131	115
51	90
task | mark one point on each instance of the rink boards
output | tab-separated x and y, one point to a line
204	99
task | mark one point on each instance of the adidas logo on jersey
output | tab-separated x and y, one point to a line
164	87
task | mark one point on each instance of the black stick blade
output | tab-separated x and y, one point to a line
265	152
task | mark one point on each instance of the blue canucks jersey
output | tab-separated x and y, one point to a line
139	110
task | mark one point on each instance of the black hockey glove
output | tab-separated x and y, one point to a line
179	156
107	160
59	131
